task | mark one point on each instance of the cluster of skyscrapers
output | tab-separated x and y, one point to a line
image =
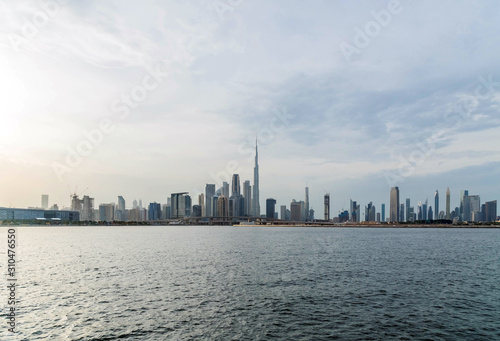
232	201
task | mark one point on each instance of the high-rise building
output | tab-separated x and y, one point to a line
215	202
256	203
382	211
368	212
120	210
371	213
154	212
180	205
236	206
411	216
352	211
394	205
429	214
306	204
197	211
106	212
327	206
270	207
247	195
407	209
463	193
225	189
209	193
45	201
87	213
448	203
471	205
425	210
222	206
436	205
402	213
76	203
235	186
121	203
201	203
236	201
490	211
283	212
295	211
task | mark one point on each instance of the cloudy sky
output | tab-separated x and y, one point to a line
350	97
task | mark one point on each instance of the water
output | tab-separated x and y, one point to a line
255	283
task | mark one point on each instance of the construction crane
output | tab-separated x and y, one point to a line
74	196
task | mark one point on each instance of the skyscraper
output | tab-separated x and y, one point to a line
408	209
45	201
235	186
201	203
394	205
209	193
448	203
283	212
270	208
256	204
490	211
87	212
120	212
121	203
306	214
436	206
327	206
382	213
106	212
463	193
222	206
180	205
154	211
352	211
225	189
247	194
295	210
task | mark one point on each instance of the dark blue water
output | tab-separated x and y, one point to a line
255	283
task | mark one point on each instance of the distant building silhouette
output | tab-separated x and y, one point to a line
326	202
270	208
256	203
490	211
448	203
394	205
436	205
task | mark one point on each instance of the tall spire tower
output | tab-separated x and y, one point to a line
256	204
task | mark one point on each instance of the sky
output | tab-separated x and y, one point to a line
144	99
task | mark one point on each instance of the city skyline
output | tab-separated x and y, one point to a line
171	97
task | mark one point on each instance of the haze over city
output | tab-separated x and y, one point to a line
350	98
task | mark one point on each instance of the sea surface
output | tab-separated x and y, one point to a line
254	283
